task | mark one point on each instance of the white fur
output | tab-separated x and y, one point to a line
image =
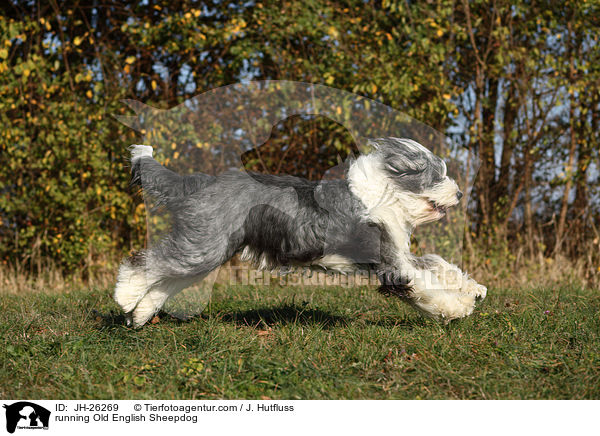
444	291
247	254
138	150
261	260
156	296
131	286
444	193
141	296
335	262
370	184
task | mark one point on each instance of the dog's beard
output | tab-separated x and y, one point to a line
432	204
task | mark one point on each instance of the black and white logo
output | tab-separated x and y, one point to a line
26	415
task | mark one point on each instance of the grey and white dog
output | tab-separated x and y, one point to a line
362	221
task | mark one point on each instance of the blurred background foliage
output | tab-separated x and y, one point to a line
515	82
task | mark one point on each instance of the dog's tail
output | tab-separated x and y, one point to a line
164	185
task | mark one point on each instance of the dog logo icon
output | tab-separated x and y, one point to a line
26	415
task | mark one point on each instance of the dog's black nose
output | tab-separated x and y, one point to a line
459	195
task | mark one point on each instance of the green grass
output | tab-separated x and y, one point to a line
303	344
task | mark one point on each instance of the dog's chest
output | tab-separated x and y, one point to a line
382	206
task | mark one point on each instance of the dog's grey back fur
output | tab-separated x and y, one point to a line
281	219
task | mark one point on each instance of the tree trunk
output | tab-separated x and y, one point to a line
572	149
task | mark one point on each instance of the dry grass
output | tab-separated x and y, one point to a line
17	280
538	271
517	272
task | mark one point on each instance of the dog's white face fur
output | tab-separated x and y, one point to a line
403	185
414	176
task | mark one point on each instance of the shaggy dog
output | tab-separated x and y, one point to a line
361	222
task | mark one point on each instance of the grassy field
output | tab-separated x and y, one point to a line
303	344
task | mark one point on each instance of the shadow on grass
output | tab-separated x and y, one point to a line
109	319
404	322
114	320
283	314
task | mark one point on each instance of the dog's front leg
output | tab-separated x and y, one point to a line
423	289
451	276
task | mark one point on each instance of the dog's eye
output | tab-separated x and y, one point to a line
401	173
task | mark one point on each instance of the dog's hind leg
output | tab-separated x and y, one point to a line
175	264
132	284
156	297
140	294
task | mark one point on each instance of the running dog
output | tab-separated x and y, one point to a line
362	221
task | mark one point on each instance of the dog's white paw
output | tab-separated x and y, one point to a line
456	300
481	291
473	288
131	287
442	304
139	150
143	312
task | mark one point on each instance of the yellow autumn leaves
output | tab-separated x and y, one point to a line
129	61
439	31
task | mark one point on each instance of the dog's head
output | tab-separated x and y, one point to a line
418	178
